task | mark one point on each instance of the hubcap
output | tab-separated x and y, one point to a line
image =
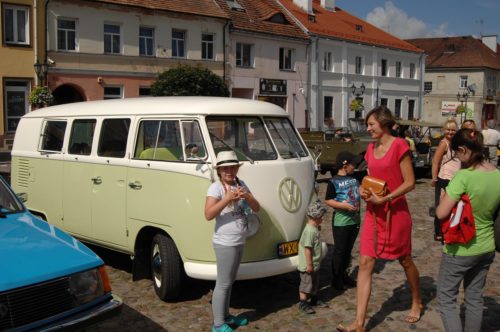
156	266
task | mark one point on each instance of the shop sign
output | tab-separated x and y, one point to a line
272	87
449	108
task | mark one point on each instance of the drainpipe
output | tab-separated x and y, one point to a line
45	30
35	36
224	50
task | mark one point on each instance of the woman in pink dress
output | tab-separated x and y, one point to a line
388	158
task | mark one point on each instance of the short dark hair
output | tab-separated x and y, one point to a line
383	115
472	140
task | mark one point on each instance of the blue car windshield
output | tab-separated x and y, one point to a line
9	203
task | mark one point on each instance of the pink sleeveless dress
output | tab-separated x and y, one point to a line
394	242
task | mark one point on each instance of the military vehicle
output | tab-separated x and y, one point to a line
423	138
325	145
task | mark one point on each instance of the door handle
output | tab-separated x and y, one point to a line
135	185
97	180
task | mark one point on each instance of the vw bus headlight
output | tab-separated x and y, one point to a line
86	286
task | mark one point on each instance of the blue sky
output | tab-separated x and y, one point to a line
429	18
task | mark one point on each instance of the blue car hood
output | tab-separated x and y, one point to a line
33	251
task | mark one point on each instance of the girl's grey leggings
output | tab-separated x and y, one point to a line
228	261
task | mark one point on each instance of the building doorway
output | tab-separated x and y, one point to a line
66	94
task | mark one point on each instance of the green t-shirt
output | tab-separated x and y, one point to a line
483	189
309	238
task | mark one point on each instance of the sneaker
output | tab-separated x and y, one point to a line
315	302
222	328
234	320
305	308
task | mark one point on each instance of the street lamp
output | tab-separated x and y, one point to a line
462	98
356	92
41	71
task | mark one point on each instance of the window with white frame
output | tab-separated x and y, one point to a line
113	92
327	61
358	69
286	58
112	39
146	41
178	43
244	55
15	24
207	46
66	34
412	70
398	68
383	67
463	81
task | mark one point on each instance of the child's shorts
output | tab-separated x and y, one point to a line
309	282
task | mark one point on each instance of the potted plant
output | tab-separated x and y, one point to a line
41	96
356	105
461	109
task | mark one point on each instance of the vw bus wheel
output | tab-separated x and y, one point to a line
166	268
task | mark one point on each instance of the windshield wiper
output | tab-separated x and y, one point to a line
231	148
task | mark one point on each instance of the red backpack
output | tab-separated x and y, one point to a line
460	226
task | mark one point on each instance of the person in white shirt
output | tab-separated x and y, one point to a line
491	138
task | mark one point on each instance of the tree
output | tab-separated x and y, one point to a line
189	81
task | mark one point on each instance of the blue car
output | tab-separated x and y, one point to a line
48	279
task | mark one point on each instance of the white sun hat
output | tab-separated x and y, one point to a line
227	158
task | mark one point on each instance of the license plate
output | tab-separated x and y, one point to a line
287	249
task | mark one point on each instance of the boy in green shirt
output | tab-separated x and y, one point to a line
310	258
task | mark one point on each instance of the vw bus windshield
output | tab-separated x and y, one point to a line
249	137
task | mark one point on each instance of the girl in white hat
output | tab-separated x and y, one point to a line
228	200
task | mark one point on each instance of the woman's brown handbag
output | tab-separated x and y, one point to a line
380	189
378	186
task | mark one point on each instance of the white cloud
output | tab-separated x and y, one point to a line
397	22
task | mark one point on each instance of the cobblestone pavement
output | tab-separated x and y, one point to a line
271	303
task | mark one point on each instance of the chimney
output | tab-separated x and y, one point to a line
306	5
490	41
328	5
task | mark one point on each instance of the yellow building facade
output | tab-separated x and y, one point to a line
23	41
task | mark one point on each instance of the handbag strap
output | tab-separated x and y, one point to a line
387	227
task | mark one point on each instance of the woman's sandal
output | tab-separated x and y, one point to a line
412	319
342	328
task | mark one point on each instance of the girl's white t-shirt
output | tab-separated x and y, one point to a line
230	224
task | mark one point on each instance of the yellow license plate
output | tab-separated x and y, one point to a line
287	249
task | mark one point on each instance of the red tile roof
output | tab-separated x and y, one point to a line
197	7
340	24
257	15
457	52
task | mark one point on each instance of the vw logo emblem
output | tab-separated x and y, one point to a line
290	195
3	310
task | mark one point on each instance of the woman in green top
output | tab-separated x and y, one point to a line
468	262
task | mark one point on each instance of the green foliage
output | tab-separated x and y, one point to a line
41	96
461	109
189	81
356	105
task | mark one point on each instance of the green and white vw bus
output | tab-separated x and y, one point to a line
132	175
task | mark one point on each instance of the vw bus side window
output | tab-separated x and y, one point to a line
113	138
53	136
159	140
82	134
245	135
285	138
194	149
